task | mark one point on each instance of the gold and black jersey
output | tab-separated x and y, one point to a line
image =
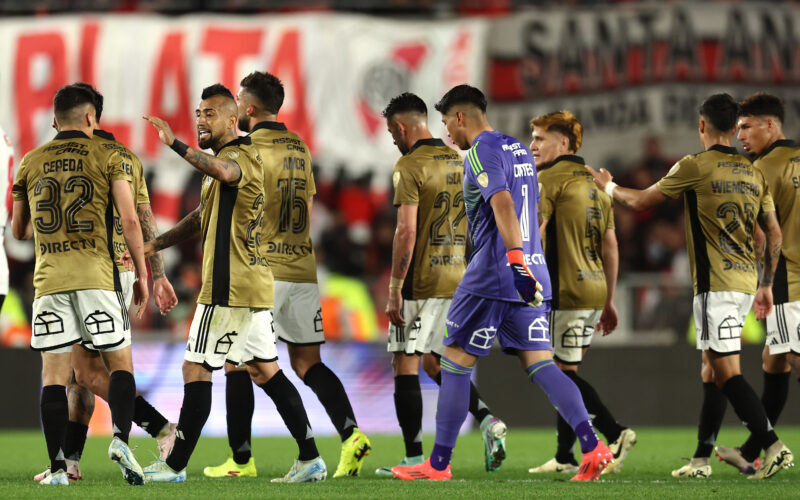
67	184
288	190
578	216
723	194
133	166
235	271
431	176
780	164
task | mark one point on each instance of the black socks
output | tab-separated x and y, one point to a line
240	404
147	417
602	418
53	404
408	405
776	391
750	410
75	440
293	413
330	392
194	413
121	396
711	414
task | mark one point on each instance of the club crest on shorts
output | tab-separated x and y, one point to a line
99	322
47	323
538	330
729	328
223	345
483	338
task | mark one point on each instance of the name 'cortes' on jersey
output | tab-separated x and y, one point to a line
497	162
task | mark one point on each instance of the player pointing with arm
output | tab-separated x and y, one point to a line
505	291
722	193
233	320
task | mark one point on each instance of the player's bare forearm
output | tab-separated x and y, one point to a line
21	220
773	241
149	233
405	237
610	262
759	246
505	216
188	227
222	169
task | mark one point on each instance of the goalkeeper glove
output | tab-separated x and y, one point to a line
528	289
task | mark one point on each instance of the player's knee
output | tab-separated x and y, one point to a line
431	365
405	365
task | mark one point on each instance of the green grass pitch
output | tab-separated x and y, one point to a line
646	473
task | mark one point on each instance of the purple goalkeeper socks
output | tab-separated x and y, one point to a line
451	411
565	396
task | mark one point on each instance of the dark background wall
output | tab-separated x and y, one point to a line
640	385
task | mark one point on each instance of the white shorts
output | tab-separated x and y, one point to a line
297	313
425	327
126	279
95	316
3	265
783	328
570	332
233	334
718	320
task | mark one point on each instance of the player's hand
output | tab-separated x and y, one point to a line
608	319
528	289
140	295
394	309
164	295
762	305
164	132
601	177
126	260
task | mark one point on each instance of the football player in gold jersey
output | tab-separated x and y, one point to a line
233	319
90	375
288	194
577	227
64	188
761	133
428	261
724	198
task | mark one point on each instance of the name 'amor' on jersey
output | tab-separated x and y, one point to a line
497	162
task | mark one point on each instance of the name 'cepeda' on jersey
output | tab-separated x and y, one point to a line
431	176
67	184
288	188
578	217
133	165
235	271
780	164
723	194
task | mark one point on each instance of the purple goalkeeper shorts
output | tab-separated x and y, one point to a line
473	323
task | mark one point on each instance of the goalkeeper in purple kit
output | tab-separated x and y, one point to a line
505	292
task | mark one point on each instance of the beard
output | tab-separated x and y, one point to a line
244	124
205	143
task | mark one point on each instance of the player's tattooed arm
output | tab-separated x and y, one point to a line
222	169
773	240
405	237
188	227
149	233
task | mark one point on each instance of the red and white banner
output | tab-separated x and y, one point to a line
339	72
641	69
